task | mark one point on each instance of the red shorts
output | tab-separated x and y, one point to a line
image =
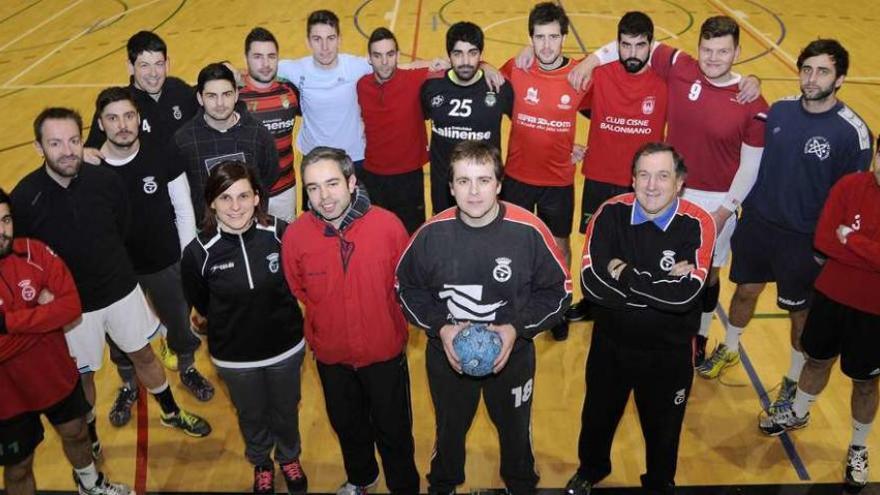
38	377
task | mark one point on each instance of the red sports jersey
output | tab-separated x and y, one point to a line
626	111
393	122
851	276
543	126
706	124
36	369
276	107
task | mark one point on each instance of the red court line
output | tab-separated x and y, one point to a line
415	46
143	434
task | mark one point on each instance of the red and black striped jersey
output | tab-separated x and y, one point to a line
276	107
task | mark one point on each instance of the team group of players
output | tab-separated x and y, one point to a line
181	196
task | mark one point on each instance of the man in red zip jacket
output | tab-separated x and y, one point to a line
339	260
37	375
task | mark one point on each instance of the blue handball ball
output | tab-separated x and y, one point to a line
477	348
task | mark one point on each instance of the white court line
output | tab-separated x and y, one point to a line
38	26
576	14
393	15
76	37
755	31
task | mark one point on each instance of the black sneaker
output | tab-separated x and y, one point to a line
264	479
197	384
120	413
295	477
560	331
700	354
578	485
579	311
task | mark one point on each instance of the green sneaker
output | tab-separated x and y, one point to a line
720	359
785	397
188	422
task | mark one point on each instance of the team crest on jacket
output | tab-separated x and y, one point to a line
532	96
648	105
176	113
150	185
502	270
273	262
490	99
667	261
437	101
819	146
28	293
564	102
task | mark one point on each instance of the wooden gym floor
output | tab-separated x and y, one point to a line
61	52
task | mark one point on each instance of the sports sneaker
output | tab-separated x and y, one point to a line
782	420
721	358
857	466
264	479
700	353
120	413
166	355
188	422
785	397
102	487
349	489
579	311
295	477
560	331
197	384
578	485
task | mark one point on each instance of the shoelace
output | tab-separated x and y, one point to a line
292	470
859	460
264	480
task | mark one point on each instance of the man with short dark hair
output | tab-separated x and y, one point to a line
274	104
162	216
339	261
484	261
220	133
37	375
646	258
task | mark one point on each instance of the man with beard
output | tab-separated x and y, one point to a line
274	104
37	375
219	133
539	173
158	193
83	214
460	107
627	108
811	142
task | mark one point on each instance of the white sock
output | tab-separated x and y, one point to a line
159	389
731	338
706	323
797	364
88	476
860	433
802	403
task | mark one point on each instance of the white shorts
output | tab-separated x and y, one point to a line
283	205
711	201
129	322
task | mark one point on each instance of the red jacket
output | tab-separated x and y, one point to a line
352	314
36	369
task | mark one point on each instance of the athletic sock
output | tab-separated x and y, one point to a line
88	476
798	359
165	399
731	337
802	403
705	324
860	433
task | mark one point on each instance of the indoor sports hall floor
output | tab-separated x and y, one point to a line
62	52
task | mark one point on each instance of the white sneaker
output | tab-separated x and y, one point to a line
857	466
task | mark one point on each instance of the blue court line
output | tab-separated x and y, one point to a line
785	438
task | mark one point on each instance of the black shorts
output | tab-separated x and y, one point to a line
402	194
554	204
834	329
20	435
595	193
763	252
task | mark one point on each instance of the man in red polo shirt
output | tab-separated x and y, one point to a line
397	146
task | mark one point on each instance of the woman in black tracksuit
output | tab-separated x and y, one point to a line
232	275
